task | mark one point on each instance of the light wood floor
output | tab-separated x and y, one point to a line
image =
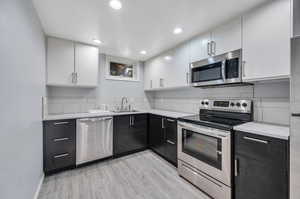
139	176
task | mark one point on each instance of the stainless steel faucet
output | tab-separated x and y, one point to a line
124	99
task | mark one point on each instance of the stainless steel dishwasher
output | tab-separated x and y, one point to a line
94	139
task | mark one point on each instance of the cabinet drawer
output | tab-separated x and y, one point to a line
59	144
60	129
260	147
60	161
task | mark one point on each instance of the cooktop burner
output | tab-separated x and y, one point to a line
214	122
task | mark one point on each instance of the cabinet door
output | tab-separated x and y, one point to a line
266	42
228	37
60	62
86	65
261	167
177	67
156	134
258	180
152	73
171	140
122	135
199	47
138	130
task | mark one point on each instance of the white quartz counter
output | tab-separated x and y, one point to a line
107	113
271	130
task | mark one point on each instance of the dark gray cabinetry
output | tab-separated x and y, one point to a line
261	167
59	145
130	133
163	137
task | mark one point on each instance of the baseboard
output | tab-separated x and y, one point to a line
36	195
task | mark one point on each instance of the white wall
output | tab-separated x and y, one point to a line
110	92
22	80
271	100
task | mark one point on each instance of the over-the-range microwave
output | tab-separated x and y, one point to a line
218	70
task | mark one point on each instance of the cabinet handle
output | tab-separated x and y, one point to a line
243	68
162	123
213	47
236	173
61	156
256	140
161	82
73	78
170	142
170	120
60	123
295	114
187	78
76	78
150	83
60	139
208	48
132	120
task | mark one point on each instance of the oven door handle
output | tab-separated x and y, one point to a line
205	131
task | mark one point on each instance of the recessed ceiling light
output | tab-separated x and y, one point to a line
177	31
97	41
115	4
168	58
143	52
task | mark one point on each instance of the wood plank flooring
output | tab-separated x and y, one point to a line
139	176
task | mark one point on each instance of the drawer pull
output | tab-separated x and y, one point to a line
61	156
169	120
60	123
170	142
60	139
256	140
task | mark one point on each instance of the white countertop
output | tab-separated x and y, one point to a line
265	129
107	113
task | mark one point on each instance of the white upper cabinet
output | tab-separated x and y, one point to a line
86	65
227	37
60	62
179	68
71	64
200	47
169	70
266	42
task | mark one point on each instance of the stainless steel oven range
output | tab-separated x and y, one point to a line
205	145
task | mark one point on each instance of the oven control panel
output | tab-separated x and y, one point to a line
242	106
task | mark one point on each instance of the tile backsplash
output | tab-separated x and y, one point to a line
271	101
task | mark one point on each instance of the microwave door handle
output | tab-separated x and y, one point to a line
223	70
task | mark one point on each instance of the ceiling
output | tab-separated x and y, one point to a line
139	25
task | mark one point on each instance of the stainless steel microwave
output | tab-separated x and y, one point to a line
217	70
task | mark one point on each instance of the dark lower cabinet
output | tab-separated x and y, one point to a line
130	133
261	167
163	137
59	145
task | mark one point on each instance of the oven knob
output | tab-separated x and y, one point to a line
245	105
202	103
206	103
238	104
232	104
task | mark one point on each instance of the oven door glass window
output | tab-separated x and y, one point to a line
202	147
209	72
